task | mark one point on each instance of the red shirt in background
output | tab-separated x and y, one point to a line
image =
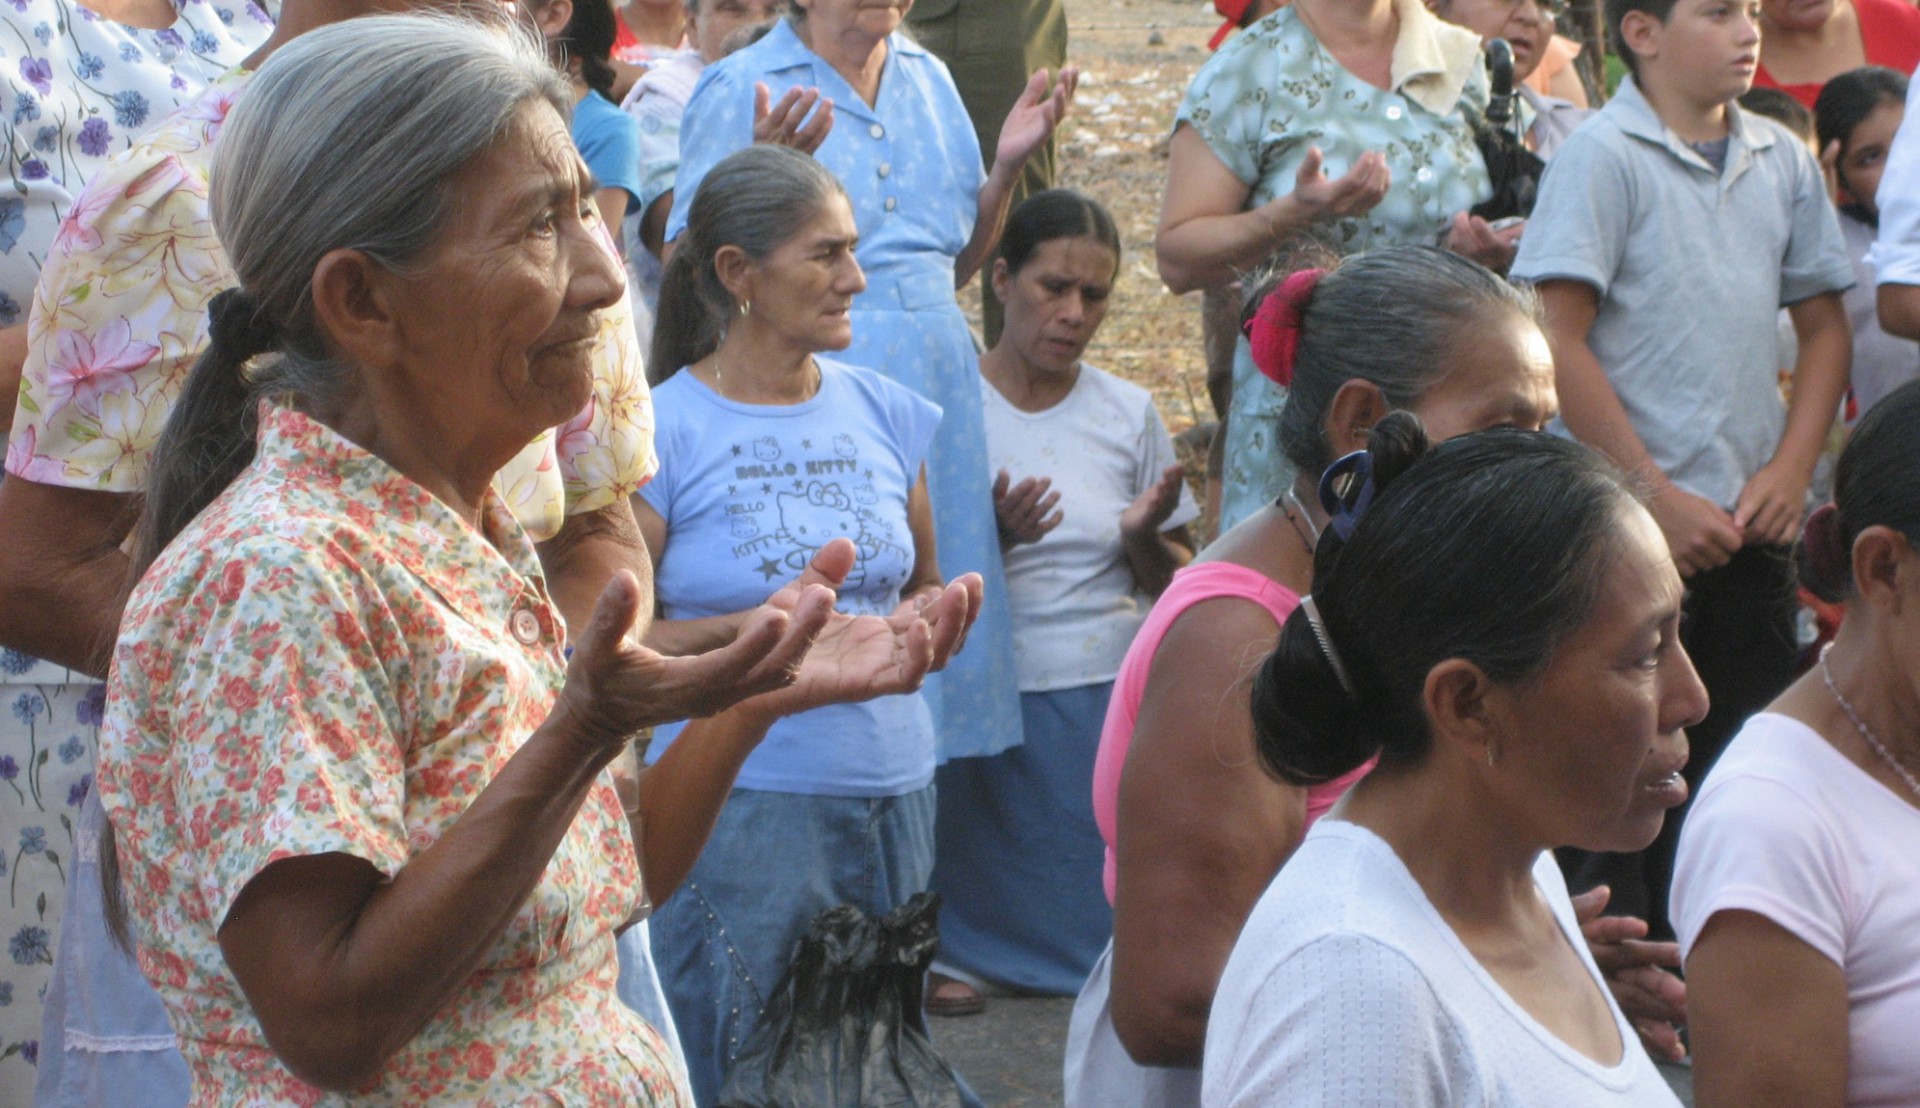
1890	31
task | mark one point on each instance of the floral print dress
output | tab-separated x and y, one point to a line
75	88
329	659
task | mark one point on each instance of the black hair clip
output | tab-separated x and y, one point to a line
1346	491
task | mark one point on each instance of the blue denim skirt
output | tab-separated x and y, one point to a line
774	862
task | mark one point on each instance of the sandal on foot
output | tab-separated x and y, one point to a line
950	996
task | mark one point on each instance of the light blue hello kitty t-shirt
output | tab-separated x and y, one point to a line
749	493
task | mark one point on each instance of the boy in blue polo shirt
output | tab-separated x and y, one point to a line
1671	228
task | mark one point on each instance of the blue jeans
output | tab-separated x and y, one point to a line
775	861
104	1038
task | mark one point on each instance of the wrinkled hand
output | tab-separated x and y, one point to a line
1021	510
1034	116
1155	506
1700	535
1769	508
1638	973
615	686
1473	237
860	657
1353	194
786	123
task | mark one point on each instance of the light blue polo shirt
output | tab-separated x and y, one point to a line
1692	267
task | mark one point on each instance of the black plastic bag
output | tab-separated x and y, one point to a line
844	1028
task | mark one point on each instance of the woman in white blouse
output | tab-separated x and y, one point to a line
1796	892
1496	622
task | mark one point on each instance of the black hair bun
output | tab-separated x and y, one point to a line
1395	443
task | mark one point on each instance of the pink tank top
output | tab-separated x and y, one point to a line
1192	585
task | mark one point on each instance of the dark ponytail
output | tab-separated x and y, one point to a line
1316	700
1489	547
588	39
1877	484
755	199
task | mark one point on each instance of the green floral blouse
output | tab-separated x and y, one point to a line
1269	95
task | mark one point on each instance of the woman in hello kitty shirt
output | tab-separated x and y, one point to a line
770	455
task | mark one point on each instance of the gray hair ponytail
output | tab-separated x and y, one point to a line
348	138
1389	316
755	199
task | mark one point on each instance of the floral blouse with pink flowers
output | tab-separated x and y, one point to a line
120	314
328	659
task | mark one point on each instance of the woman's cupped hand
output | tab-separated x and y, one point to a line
793	653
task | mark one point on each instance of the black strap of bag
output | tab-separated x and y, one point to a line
1514	169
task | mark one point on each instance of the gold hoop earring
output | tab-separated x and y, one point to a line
1489	753
746	306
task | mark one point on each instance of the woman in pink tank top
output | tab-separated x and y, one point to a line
1194	828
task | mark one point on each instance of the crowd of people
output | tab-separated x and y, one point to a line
507	523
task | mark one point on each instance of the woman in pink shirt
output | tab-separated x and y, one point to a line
1195	829
1796	891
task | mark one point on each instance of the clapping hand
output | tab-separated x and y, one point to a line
1021	510
1033	118
1152	508
1638	972
786	123
615	686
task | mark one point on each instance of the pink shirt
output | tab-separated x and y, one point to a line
1196	583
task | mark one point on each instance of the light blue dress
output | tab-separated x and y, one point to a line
911	167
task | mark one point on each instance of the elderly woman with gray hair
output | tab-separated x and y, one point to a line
357	765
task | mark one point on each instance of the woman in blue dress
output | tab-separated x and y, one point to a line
928	217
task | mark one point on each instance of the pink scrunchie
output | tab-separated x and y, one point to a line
1274	331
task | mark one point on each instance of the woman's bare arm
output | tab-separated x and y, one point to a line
1202	830
1768	1017
1208	236
344	968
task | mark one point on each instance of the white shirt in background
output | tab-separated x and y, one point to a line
1881	362
1789	828
1075	606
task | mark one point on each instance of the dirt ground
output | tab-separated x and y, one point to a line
1136	58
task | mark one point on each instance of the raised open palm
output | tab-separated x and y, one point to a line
860	657
1034	116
